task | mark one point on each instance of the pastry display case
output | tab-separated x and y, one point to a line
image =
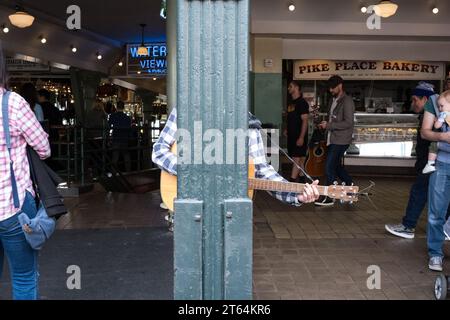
379	128
384	139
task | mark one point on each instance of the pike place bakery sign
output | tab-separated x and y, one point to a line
368	70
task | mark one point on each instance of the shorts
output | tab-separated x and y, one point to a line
296	151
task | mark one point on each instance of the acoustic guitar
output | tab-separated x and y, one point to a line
317	151
343	193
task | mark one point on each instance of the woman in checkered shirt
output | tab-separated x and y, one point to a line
24	130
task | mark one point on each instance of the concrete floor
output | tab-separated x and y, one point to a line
299	253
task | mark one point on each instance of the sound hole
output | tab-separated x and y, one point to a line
318	152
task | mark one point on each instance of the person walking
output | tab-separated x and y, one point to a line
24	129
418	196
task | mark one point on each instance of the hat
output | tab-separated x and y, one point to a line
423	89
334	81
42	227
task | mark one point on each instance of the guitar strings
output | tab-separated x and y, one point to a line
289	158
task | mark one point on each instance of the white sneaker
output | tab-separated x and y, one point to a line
429	169
163	206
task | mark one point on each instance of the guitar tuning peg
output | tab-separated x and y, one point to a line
343	184
335	183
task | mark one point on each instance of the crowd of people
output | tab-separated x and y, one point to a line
432	183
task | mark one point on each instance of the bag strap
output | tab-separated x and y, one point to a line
436	108
5	114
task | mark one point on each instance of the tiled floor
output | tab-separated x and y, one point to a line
325	253
306	252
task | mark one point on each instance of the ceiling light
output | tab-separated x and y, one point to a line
154	79
99	56
43	39
139	72
435	10
74	49
5	29
291	7
363	9
142	50
21	19
385	9
120	64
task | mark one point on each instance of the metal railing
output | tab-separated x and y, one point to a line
81	154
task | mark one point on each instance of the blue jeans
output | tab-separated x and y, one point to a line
334	167
439	200
21	257
418	197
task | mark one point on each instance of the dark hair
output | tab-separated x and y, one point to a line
28	92
120	105
44	93
297	84
334	81
3	71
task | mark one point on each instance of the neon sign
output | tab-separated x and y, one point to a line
150	65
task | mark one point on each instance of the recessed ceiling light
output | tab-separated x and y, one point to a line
74	49
120	64
5	29
154	79
99	56
291	7
435	10
363	9
43	39
139	72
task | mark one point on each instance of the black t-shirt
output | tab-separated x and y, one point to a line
295	110
422	148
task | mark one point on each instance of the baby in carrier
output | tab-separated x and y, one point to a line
443	124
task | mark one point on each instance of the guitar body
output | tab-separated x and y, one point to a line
317	157
168	184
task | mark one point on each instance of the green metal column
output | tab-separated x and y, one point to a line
171	28
213	215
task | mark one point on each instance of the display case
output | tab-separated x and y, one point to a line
384	140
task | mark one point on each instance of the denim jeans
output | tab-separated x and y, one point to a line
439	200
334	167
418	197
22	259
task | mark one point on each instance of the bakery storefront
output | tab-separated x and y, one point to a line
385	126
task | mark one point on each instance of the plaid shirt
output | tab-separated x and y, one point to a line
167	161
24	129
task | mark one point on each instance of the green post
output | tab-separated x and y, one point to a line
213	215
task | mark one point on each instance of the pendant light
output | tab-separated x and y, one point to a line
21	19
142	50
385	9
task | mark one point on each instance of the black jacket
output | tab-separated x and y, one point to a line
45	181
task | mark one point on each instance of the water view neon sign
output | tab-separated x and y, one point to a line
152	64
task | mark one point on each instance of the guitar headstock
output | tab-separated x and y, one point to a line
344	193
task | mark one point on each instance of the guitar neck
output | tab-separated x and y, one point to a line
269	185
